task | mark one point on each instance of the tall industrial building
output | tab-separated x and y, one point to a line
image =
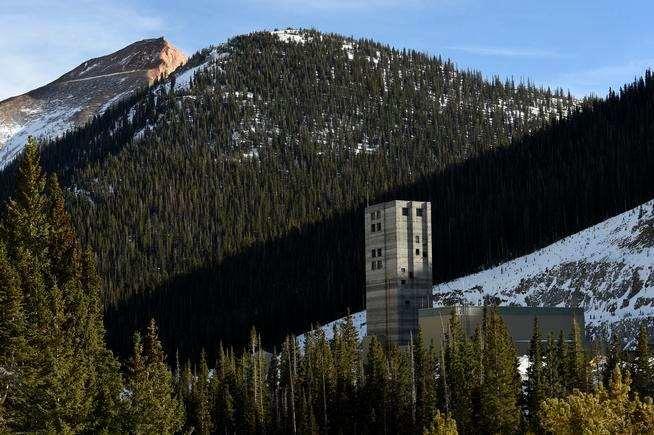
398	268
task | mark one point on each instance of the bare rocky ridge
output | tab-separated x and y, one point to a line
78	95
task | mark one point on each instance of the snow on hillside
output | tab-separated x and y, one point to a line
183	79
50	123
359	320
607	269
290	35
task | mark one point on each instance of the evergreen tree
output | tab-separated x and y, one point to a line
576	361
458	371
500	390
202	398
562	358
70	381
347	365
613	358
535	388
400	391
224	401
643	371
441	425
14	350
151	405
424	382
376	388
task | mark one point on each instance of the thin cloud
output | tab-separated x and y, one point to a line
350	4
507	52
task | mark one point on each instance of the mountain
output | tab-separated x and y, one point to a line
231	194
86	91
607	269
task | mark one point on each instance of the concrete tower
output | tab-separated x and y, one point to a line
398	268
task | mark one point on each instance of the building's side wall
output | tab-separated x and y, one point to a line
414	274
379	294
519	321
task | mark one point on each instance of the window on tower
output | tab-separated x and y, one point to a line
373	253
418	251
417	239
405	211
418	212
378	214
374	265
379	264
378	252
372	228
378	226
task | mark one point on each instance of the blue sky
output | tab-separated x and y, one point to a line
581	45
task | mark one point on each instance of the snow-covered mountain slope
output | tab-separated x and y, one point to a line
607	269
78	95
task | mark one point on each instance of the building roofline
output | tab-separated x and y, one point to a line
535	311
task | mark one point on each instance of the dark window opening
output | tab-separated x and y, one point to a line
374	265
403	270
378	214
372	215
403	281
378	252
410	275
374	253
378	226
418	251
424	253
417	239
418	212
379	264
407	302
372	228
405	211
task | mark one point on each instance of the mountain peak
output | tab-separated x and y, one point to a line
85	91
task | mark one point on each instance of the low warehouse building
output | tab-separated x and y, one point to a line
519	321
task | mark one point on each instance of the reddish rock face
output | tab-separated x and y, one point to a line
83	92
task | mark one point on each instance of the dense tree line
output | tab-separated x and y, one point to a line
471	385
241	203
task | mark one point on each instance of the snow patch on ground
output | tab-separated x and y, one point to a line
348	47
358	319
290	35
523	366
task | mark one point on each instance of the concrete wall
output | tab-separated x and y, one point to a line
400	280
519	321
